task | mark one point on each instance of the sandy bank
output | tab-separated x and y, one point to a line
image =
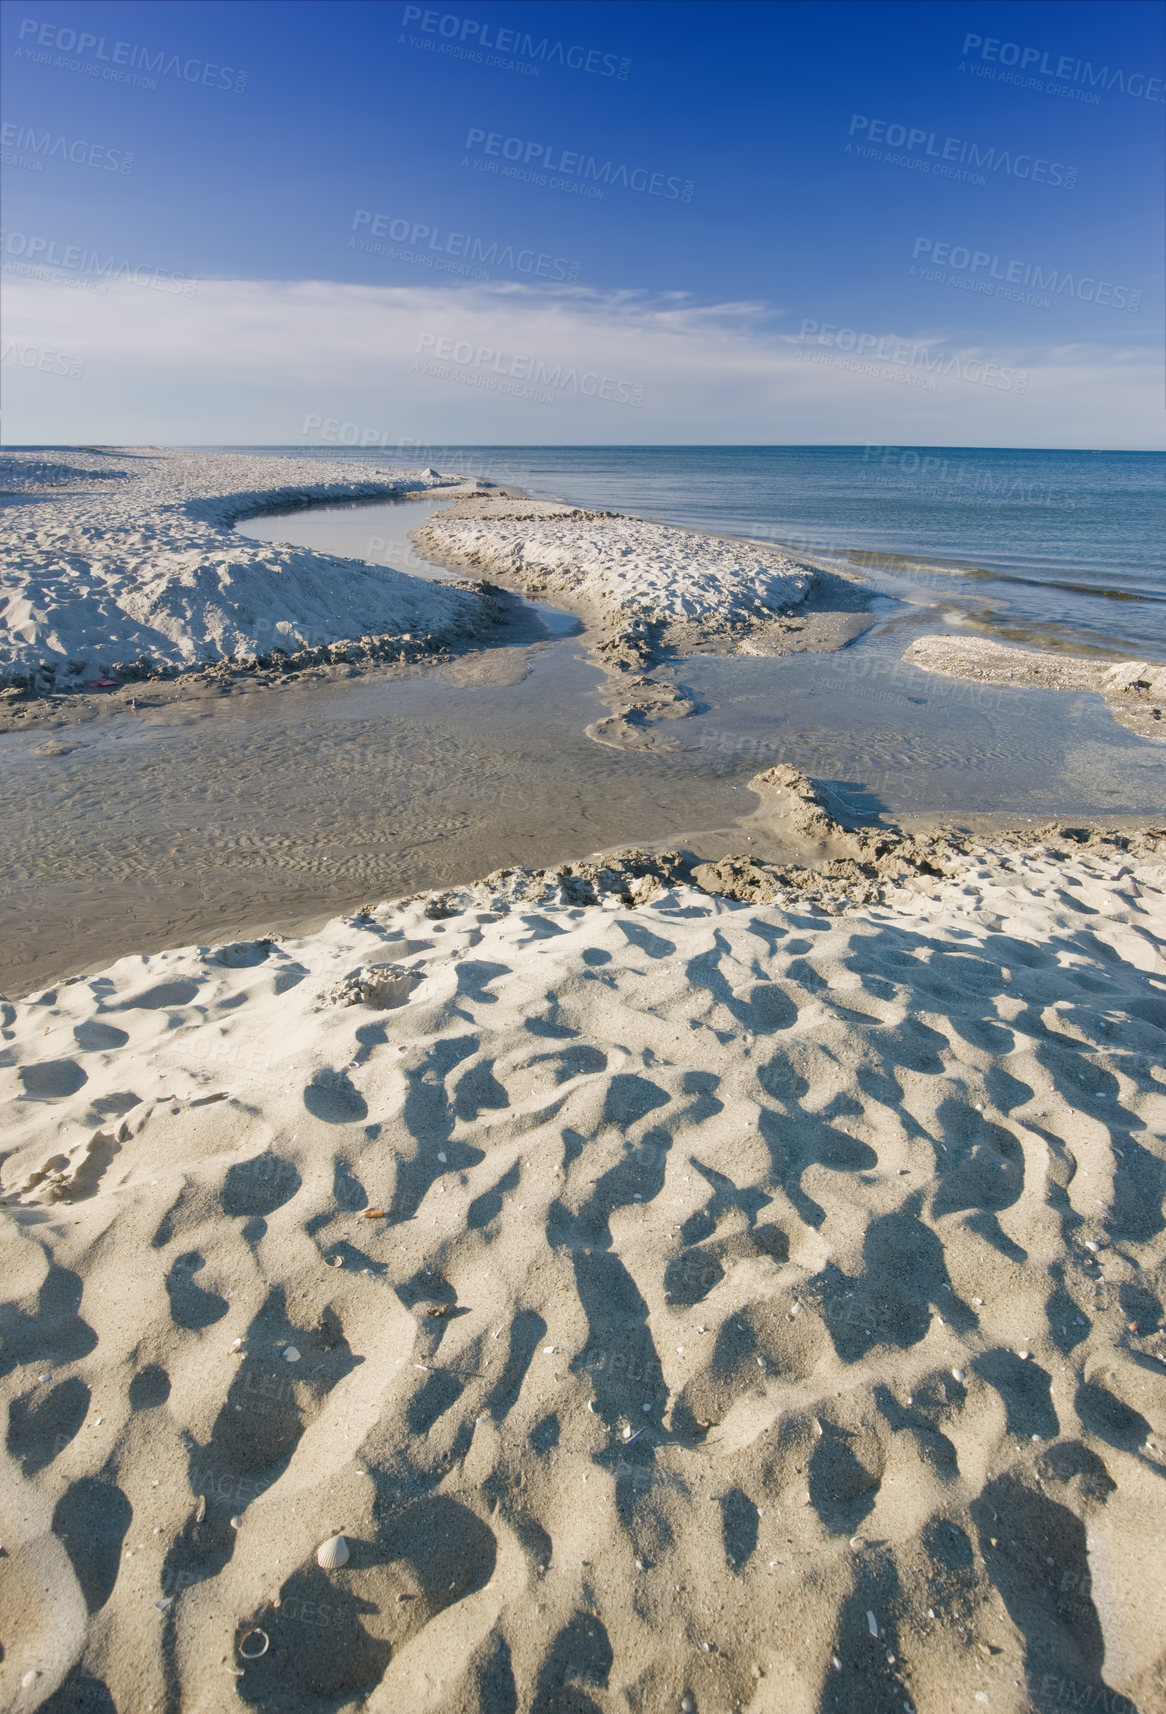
125	564
1134	690
678	1301
649	591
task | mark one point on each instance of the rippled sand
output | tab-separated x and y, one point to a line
677	1303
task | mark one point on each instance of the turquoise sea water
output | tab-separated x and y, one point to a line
1064	550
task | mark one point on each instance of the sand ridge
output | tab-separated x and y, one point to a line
679	1302
650	593
1135	691
124	563
627	566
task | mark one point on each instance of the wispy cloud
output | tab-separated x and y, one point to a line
251	361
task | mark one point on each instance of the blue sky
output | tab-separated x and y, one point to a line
826	222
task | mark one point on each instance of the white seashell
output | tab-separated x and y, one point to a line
872	1623
237	1346
291	1355
332	1554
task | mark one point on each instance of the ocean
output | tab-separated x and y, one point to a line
1057	550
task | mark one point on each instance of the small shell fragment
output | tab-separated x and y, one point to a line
237	1345
291	1355
200	1509
872	1623
254	1644
332	1554
236	1522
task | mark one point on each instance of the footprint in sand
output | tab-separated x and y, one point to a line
259	1186
332	1097
162	997
92	1036
92	1518
190	1305
39	1430
51	1079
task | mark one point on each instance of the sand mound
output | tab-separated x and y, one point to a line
652	584
676	1303
649	590
129	566
1134	690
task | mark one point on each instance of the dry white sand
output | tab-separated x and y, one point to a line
126	562
763	1310
626	568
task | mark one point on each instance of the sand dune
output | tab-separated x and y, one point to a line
677	1303
127	564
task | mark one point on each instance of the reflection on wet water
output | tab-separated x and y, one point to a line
220	815
374	531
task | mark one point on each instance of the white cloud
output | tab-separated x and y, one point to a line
249	361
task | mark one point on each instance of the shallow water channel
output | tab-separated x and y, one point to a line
208	814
